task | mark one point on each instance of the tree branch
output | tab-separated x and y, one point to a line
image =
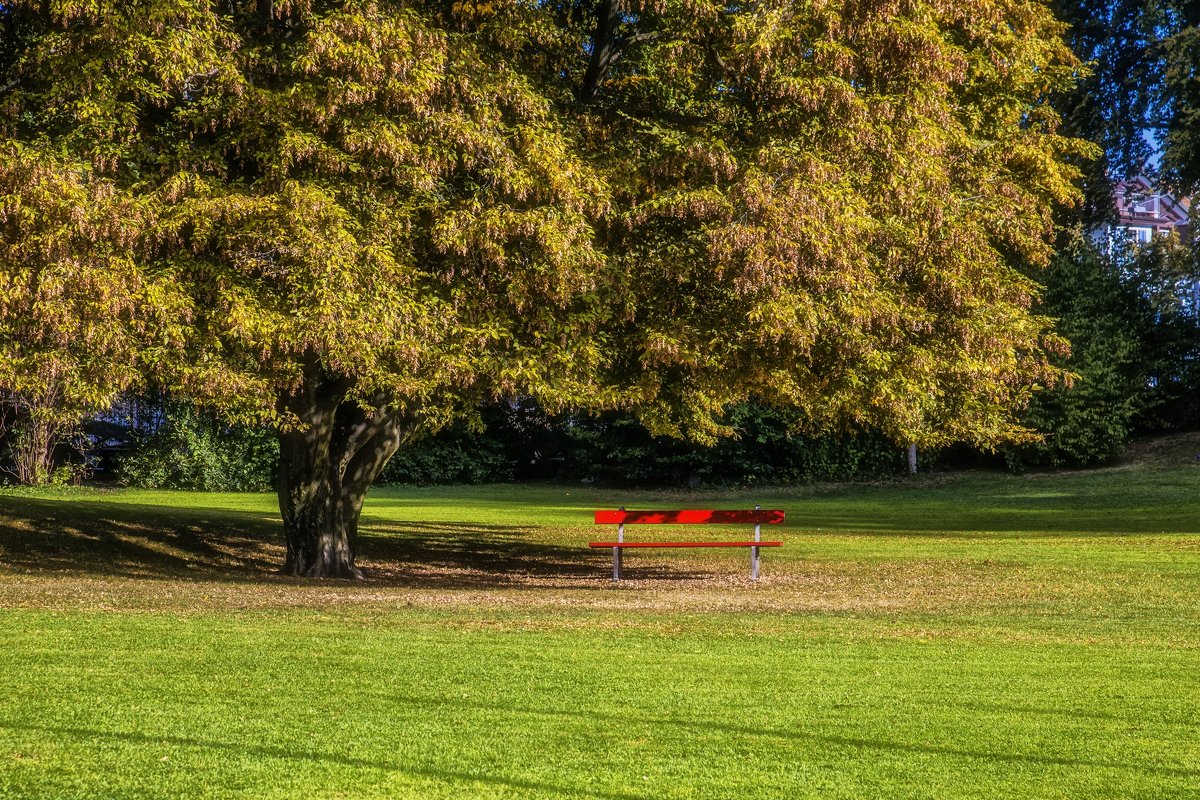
608	46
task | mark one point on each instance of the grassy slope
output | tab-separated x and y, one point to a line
975	636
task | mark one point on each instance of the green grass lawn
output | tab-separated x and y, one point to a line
969	636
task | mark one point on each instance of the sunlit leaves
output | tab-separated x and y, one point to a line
75	307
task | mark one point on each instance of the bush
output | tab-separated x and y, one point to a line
519	441
766	451
195	450
455	455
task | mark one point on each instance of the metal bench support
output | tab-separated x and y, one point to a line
617	552
754	550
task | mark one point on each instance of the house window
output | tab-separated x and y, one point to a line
1141	235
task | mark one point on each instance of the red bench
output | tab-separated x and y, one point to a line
758	517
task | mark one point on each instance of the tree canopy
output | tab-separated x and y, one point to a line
359	217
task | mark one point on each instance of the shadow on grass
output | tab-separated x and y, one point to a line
476	555
291	753
703	726
996	524
137	541
42	536
699	727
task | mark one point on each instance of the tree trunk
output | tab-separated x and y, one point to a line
326	466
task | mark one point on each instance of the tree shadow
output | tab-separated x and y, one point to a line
476	555
39	535
143	541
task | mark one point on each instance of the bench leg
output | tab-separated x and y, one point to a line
753	563
616	564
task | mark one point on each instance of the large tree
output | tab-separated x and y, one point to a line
368	215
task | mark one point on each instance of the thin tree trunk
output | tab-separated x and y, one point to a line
912	459
604	47
33	429
326	467
33	450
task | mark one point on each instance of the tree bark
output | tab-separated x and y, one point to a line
326	466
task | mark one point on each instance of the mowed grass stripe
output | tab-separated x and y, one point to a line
284	707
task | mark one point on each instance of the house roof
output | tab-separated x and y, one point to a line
1139	203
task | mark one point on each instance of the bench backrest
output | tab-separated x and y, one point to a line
690	517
